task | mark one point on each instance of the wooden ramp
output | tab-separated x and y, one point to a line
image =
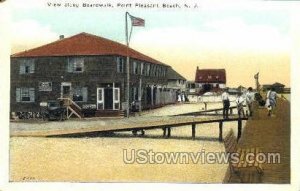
132	124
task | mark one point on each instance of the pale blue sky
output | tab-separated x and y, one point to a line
253	38
111	23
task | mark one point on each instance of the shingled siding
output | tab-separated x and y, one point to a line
98	70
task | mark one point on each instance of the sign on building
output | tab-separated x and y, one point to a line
45	86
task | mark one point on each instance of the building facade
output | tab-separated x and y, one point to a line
176	81
88	69
210	80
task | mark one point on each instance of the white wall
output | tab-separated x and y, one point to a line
177	84
221	85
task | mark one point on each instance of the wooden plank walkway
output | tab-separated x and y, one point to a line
131	124
271	135
208	112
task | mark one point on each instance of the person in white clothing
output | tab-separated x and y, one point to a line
240	105
183	97
249	101
179	98
271	100
226	103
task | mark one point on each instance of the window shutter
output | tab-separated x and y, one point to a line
119	67
18	94
31	94
31	65
22	68
81	63
70	66
84	94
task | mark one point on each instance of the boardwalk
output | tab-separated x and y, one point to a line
272	135
113	125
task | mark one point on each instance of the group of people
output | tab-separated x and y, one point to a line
247	100
241	100
181	97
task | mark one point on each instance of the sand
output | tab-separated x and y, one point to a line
100	159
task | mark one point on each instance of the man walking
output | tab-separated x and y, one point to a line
271	100
240	104
249	101
226	103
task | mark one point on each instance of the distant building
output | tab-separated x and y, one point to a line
175	80
192	88
278	87
211	80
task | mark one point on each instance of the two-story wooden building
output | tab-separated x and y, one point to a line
88	69
210	80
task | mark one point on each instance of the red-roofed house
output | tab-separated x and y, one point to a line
211	79
90	70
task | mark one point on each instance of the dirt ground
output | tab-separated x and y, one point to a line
100	159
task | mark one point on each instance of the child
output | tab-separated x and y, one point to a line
240	104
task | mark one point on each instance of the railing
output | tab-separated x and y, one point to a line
68	103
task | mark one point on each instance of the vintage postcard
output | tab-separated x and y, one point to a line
176	92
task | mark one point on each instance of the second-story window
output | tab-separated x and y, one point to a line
27	66
75	65
142	69
135	68
156	71
148	70
159	71
120	65
152	70
165	72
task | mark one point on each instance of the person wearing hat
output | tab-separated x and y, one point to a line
240	104
249	101
226	103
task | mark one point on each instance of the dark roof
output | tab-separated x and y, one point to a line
210	76
173	75
272	85
278	84
84	44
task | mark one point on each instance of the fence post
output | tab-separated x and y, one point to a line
169	132
164	131
239	129
193	131
221	131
